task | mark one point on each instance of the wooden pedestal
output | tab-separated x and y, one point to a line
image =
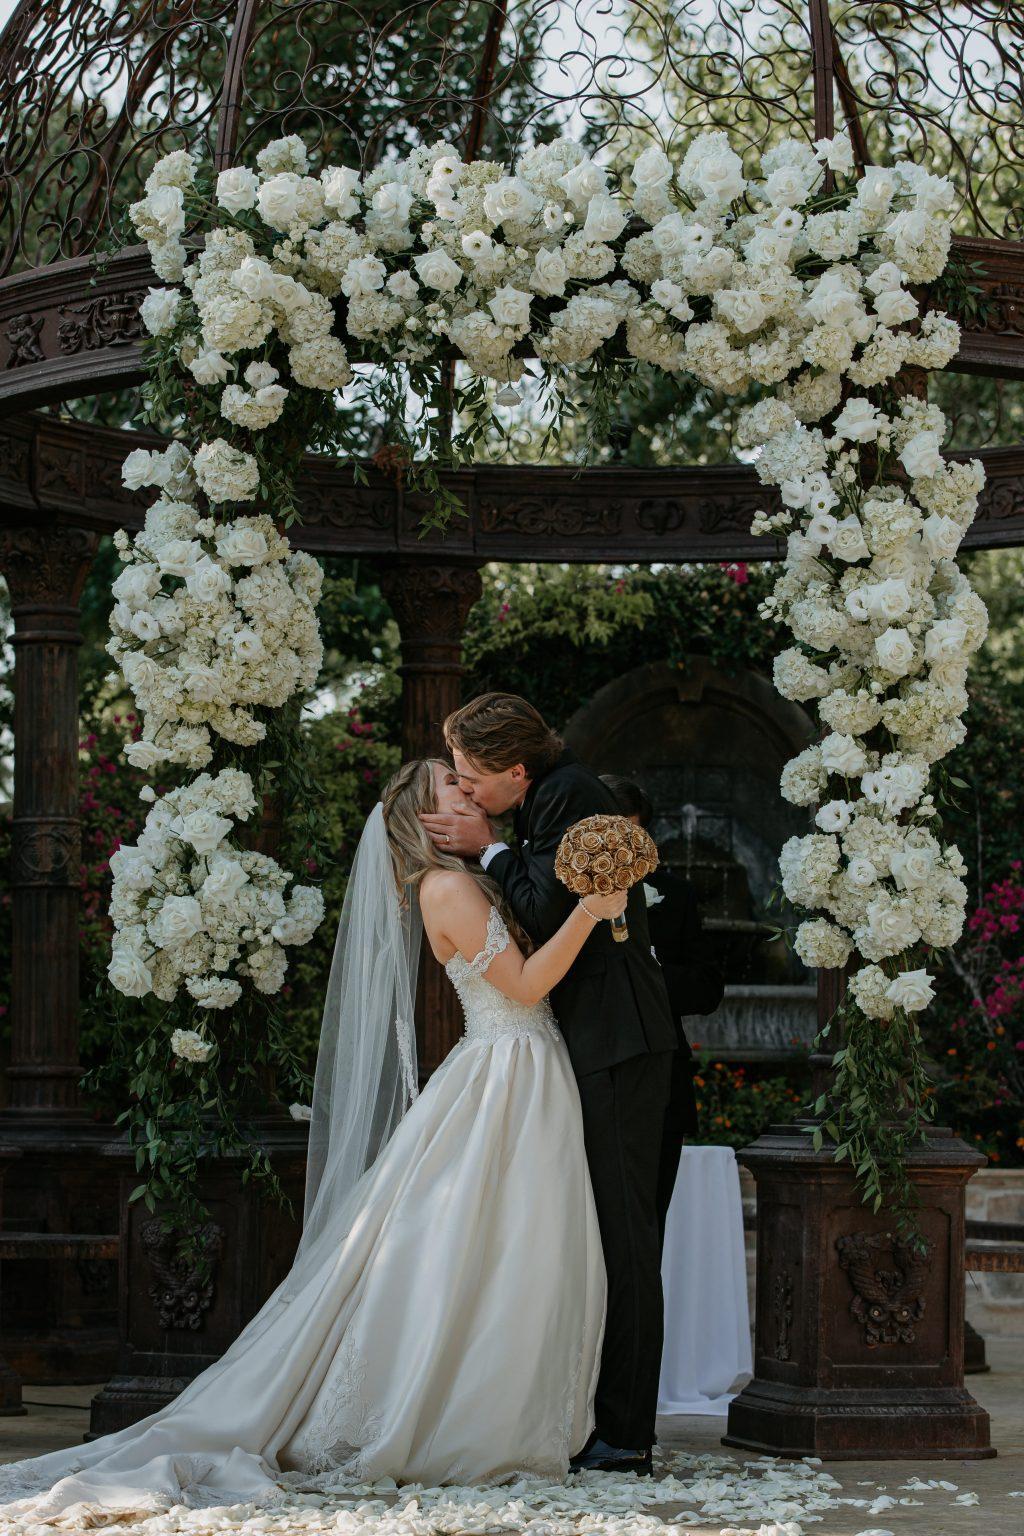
174	1323
859	1347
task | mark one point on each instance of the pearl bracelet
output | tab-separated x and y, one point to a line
592	915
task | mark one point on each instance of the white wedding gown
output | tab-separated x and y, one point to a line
453	1335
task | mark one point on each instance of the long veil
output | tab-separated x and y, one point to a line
366	1071
219	1438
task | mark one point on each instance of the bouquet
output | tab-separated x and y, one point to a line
601	854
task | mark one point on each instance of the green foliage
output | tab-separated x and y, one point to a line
878	1107
559	633
736	1104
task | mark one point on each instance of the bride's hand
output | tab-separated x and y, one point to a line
607	906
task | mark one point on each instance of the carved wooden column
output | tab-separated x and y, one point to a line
430	603
58	1313
45	569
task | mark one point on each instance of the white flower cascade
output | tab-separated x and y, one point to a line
189	908
212	620
731	282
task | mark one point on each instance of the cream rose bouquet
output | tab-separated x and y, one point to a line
602	854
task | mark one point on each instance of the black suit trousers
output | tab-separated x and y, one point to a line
624	1111
677	1126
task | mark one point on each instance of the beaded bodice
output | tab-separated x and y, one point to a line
489	1014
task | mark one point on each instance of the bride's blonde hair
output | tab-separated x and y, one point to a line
413	851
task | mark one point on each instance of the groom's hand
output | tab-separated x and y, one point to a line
461	832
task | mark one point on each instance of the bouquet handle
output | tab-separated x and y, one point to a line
620	928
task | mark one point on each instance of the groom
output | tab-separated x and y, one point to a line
614	1013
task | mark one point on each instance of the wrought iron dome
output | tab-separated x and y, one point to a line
95	91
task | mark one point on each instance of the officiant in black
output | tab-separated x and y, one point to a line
695	984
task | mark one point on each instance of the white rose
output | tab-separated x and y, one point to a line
203	829
278	199
912	867
237	188
876	189
201	682
841	754
364	274
393	201
605	218
858	421
895	650
583	181
892	926
224	881
209	366
848	542
167	206
477	244
652	169
836	153
142	468
159	310
887	599
549	272
911	990
128	972
861	873
136	583
144	755
510	306
894	307
403	285
255	278
945	640
436	269
666	293
179	918
940	536
742	308
822	528
258	375
247	645
241	545
719	174
340	185
510	199
207	581
921	456
145	626
178	557
670	234
834	816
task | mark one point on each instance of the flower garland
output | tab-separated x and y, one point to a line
773	281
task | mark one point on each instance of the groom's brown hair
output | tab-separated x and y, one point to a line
497	730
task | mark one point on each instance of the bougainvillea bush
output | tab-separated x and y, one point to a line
976	1034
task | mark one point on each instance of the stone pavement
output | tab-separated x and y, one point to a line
59	1416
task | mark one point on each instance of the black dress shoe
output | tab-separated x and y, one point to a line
599	1456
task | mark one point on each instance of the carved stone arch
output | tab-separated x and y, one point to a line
708	746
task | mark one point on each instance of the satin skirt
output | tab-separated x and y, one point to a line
453	1335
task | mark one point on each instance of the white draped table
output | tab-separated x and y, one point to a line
704	1272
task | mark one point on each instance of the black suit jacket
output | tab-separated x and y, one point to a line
613	1004
695	984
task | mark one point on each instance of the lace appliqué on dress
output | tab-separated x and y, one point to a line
344	1421
497	941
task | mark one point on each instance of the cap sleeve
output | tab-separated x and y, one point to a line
497	940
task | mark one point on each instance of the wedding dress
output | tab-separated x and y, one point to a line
451	1334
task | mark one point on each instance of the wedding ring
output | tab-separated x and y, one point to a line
447	837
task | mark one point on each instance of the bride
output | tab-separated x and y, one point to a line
443	1317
